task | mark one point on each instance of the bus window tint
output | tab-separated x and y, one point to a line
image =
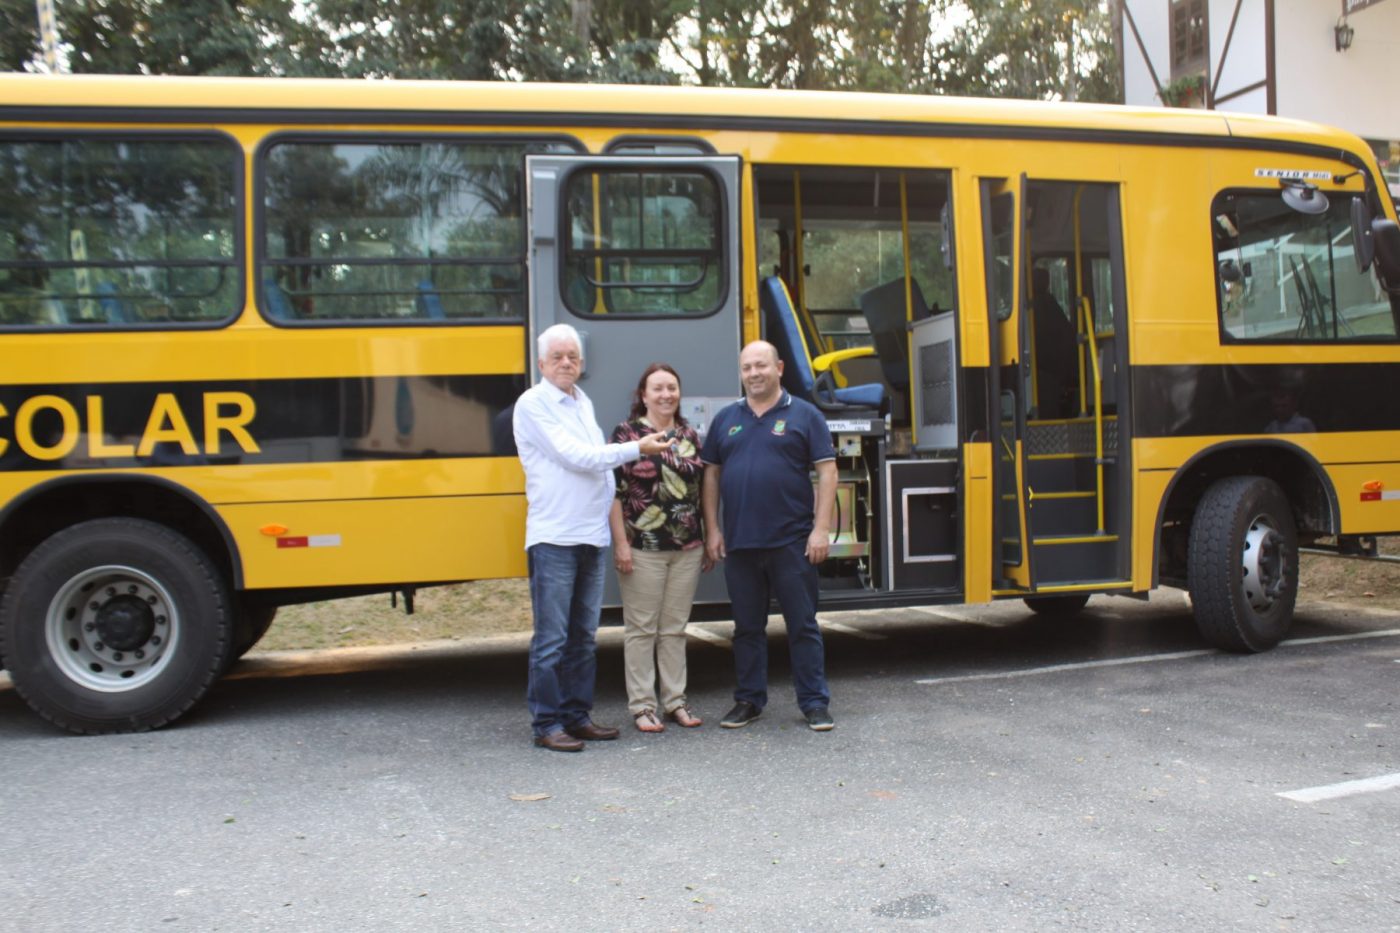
1282	275
642	243
394	231
117	232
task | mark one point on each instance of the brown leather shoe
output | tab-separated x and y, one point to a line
559	742
592	733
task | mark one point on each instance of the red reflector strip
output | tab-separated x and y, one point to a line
292	542
1371	495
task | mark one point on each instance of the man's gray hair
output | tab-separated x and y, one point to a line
559	333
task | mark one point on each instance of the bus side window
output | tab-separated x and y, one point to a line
1287	276
394	228
119	230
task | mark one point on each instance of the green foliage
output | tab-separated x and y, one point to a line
1184	91
19	34
1022	48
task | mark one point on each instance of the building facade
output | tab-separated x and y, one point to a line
1332	61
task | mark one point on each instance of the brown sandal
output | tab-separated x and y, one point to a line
685	717
647	722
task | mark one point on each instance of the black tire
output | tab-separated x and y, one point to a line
1066	604
1242	565
250	626
115	625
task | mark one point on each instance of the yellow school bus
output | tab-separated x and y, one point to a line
259	341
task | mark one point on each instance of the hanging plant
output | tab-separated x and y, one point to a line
1185	91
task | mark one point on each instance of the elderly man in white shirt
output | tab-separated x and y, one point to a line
569	489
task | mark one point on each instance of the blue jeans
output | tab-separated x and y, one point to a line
752	575
566	595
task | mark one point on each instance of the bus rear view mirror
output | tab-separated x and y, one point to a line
1386	236
1362	236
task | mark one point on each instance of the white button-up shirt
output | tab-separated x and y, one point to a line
568	467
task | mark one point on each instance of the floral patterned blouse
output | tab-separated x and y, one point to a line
660	495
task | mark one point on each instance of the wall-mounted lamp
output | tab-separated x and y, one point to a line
1343	33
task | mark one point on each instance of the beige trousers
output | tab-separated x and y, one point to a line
656	600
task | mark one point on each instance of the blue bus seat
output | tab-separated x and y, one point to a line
429	302
804	376
114	309
275	303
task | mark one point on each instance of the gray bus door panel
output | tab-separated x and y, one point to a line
703	349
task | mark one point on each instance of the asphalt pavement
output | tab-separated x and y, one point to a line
990	770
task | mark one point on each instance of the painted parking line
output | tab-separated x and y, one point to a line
705	634
1369	785
1144	659
1074	666
944	614
845	629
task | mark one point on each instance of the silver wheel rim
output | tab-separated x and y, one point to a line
112	628
1263	561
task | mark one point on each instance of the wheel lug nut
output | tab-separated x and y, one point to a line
160	620
116	655
155	639
111	591
97	646
151	600
94	605
89	627
140	654
131	588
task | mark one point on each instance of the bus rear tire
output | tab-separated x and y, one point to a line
1058	605
1242	564
115	625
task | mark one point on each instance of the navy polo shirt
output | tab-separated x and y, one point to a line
765	480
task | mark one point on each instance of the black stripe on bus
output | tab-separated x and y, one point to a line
57	427
1268	398
931	129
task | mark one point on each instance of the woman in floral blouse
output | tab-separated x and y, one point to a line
658	549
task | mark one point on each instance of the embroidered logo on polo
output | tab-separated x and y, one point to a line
780	426
735	430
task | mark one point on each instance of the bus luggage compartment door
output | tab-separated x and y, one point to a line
922	524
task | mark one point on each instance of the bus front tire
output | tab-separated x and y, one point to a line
115	625
1242	568
1059	605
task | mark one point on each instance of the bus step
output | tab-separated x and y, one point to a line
1075	558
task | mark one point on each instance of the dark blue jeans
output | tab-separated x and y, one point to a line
753	575
566	595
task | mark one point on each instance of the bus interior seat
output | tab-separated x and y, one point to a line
885	313
803	376
429	302
115	309
277	306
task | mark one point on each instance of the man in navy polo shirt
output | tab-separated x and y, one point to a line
758	455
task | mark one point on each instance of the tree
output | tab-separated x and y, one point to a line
1037	49
1025	48
19	34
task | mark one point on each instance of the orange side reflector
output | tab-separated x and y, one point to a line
273	530
1374	485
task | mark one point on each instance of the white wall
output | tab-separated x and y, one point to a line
1356	89
1245	62
1151	18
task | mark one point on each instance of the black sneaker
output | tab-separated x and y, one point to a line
742	714
819	720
